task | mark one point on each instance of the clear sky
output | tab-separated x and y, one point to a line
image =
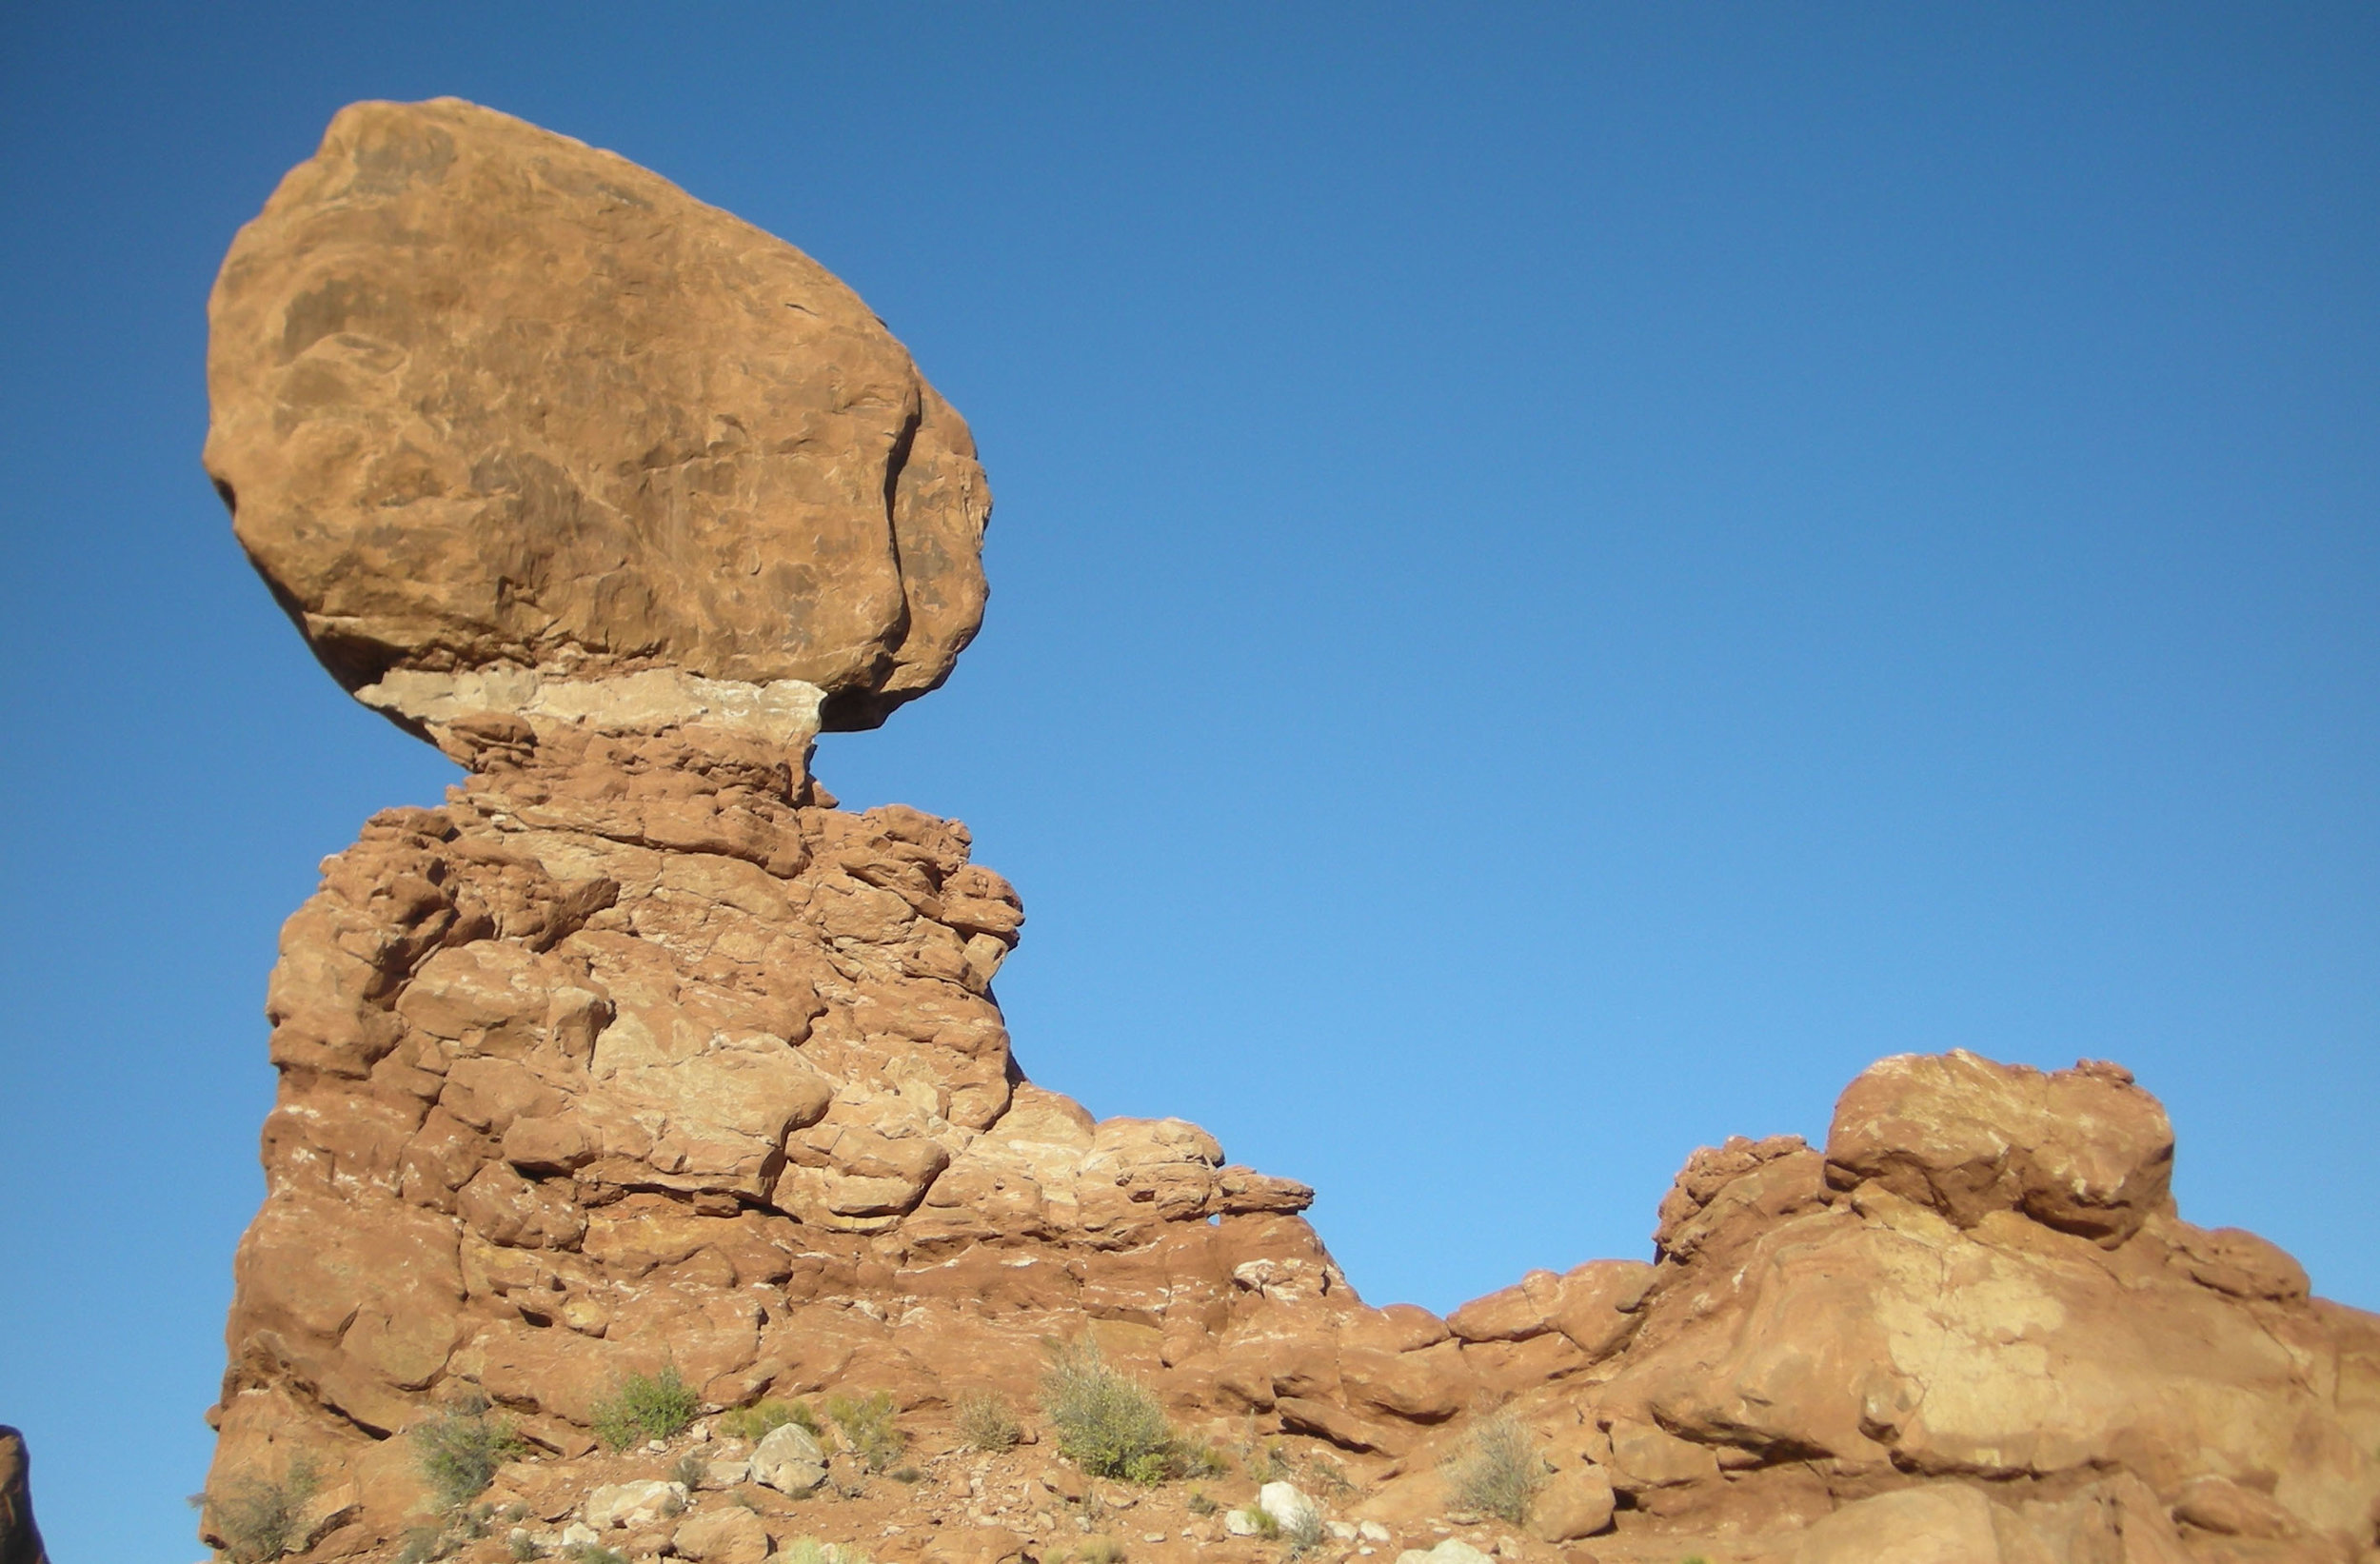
1564	578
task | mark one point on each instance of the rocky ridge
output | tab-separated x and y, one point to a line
639	1051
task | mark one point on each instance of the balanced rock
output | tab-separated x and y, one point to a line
638	1052
511	425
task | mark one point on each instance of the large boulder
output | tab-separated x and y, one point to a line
2085	1150
509	423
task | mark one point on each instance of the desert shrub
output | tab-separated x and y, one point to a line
1099	1549
1305	1530
459	1450
588	1552
808	1550
1496	1471
522	1548
986	1424
1265	1461
691	1469
646	1407
1200	1458
1328	1475
1200	1504
1267	1525
866	1428
1106	1422
259	1517
758	1421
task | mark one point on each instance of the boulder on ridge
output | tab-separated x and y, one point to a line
510	424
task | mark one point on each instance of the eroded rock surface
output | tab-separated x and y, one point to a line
20	1539
639	1051
502	416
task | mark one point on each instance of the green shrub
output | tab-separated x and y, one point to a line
756	1422
1200	1458
1202	1505
259	1517
867	1427
1267	1525
423	1544
459	1450
808	1550
646	1407
1106	1422
1496	1470
986	1423
587	1553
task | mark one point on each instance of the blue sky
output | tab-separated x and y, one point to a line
1564	578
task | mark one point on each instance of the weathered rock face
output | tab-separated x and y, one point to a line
505	420
639	1051
20	1539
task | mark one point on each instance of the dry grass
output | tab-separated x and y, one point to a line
986	1422
1496	1471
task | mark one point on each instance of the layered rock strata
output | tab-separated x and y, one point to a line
638	1051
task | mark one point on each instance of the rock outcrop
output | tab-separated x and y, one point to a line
20	1539
638	1052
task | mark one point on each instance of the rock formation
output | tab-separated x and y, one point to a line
509	423
639	1052
20	1539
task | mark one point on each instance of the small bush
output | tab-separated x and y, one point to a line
691	1469
1099	1549
756	1422
1264	1460
423	1544
588	1552
1202	1505
986	1423
1496	1470
1329	1476
522	1548
259	1517
866	1428
459	1450
808	1550
1106	1423
1200	1458
1305	1532
1267	1525
646	1407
